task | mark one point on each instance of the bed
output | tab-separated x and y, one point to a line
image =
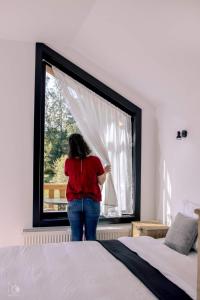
87	270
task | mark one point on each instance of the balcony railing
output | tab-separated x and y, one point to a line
54	197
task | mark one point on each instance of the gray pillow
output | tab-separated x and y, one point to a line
182	234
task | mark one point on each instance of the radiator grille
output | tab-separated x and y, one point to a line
35	237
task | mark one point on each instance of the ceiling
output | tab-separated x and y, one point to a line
150	46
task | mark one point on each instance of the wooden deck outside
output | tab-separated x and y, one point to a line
54	197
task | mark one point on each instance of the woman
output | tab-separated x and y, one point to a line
85	173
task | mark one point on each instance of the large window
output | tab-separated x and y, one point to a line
54	123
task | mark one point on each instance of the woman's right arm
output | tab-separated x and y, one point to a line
102	178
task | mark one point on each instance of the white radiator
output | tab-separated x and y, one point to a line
38	236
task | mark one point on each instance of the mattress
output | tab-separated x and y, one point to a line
85	270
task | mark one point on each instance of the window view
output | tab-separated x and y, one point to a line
68	100
108	121
59	124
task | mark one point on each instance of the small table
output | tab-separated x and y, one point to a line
153	228
59	202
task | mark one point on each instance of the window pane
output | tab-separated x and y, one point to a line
59	124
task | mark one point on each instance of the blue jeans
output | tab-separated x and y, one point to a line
83	213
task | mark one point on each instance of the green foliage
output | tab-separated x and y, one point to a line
59	125
48	170
59	170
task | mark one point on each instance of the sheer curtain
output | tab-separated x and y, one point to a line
107	131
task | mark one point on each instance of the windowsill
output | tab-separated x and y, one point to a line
66	228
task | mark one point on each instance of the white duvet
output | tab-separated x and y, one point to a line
178	268
86	271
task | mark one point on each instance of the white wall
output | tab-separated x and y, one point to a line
16	135
17	61
178	184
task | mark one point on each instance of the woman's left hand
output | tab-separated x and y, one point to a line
107	169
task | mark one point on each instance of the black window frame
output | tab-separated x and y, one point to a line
45	56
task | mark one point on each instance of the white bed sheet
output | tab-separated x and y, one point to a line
71	271
68	271
178	268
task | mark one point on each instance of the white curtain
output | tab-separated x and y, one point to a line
107	130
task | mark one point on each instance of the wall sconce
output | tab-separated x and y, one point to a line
181	134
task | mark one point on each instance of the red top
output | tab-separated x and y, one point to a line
83	182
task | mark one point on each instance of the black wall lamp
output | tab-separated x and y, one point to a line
181	134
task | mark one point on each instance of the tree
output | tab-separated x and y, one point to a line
59	125
59	175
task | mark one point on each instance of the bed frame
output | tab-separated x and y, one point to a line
197	211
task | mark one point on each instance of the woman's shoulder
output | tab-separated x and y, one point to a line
94	159
89	157
68	160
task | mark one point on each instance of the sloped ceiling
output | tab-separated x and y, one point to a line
151	46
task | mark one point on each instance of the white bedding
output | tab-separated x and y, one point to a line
178	268
83	271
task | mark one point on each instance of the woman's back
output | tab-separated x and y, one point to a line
83	181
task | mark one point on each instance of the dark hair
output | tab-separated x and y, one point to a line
77	146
